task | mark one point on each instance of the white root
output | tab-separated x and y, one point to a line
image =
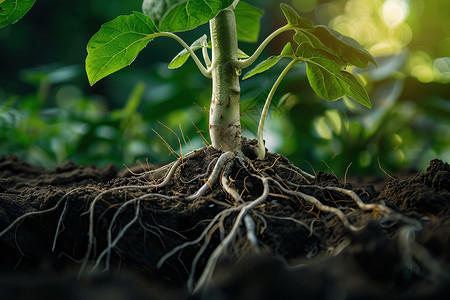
190	281
303	174
222	167
415	255
310	227
320	206
63	213
251	229
363	206
165	181
226	184
210	265
24	216
113	243
197	240
212	162
223	159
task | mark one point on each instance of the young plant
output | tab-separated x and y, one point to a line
326	53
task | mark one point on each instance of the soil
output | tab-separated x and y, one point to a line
317	259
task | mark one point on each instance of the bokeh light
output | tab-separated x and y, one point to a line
394	12
391	27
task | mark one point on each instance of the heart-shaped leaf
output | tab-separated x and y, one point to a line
182	15
117	44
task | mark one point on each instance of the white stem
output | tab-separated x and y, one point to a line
234	4
261	147
224	112
206	56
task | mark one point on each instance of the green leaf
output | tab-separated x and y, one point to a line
327	53
12	10
247	22
183	56
271	61
294	19
155	9
352	87
304	37
241	54
323	82
327	77
117	44
323	58
344	46
182	15
309	44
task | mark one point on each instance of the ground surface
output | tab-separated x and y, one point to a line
301	252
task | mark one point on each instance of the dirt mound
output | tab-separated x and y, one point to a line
303	251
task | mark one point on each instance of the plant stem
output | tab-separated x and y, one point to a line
261	147
247	62
234	4
206	56
192	53
224	122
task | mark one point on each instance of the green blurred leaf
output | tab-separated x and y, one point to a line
247	22
12	10
271	61
117	44
294	19
133	102
182	15
183	56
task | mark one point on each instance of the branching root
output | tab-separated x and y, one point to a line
249	189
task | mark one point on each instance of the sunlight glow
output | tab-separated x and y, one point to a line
394	12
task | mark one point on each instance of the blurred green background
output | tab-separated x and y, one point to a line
49	113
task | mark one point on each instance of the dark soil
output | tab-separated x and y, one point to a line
329	262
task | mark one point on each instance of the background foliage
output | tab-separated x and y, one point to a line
49	113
